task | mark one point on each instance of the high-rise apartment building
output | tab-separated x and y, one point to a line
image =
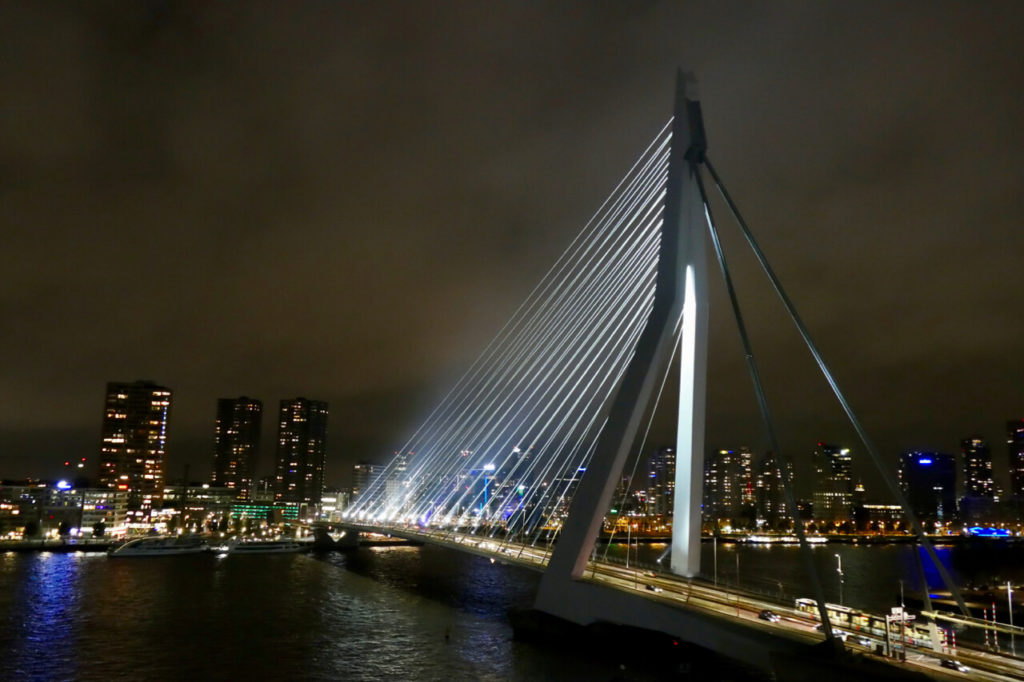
770	488
236	443
833	492
928	481
661	482
301	451
133	444
728	484
1015	447
977	467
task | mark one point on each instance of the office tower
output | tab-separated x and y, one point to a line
661	482
1015	445
236	444
771	493
133	444
397	483
977	467
301	451
928	481
364	475
833	492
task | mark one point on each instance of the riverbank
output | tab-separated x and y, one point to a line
57	546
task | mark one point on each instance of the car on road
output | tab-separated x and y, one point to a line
953	664
652	588
837	633
769	616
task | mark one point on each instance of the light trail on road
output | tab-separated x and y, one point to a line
697	595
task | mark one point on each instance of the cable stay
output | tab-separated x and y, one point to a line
833	384
766	419
502	453
506	448
643	444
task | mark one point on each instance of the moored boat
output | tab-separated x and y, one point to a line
159	546
267	547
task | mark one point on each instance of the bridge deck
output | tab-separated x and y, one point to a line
699	599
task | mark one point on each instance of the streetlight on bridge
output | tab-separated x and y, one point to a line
839	570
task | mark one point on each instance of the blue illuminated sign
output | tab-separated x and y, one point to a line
924	460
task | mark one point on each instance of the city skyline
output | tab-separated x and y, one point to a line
307	231
238	462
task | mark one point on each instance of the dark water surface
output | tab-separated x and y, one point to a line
377	614
872	574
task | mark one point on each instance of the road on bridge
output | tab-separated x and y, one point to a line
721	602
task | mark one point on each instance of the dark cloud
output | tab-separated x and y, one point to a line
345	201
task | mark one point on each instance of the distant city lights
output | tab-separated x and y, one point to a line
983	532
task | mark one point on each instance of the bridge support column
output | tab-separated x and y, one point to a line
681	277
689	481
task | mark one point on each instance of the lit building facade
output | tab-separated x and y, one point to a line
333	503
236	444
197	507
134	443
728	484
364	475
833	491
661	482
1015	448
106	507
397	483
977	468
301	451
42	509
884	516
928	481
771	492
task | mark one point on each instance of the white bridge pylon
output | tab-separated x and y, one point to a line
681	291
531	441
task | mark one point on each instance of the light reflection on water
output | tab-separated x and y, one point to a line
44	606
374	615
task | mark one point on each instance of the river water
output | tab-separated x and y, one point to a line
871	574
396	613
378	614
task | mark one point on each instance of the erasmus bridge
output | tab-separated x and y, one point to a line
520	461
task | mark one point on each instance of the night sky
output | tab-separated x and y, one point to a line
345	201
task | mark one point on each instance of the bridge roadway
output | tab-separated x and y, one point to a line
716	602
